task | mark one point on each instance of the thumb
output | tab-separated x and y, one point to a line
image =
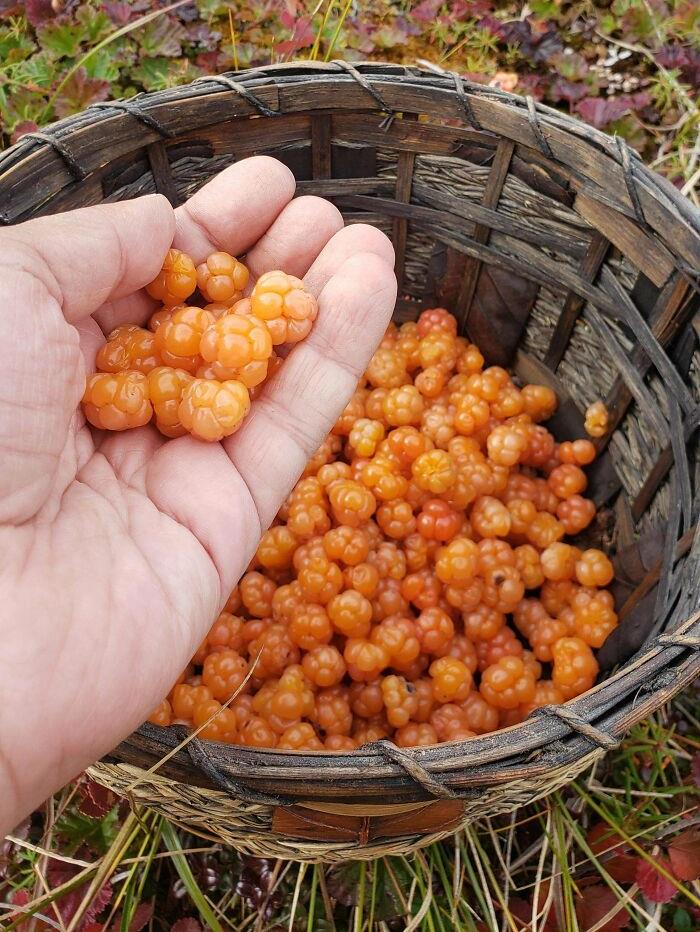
55	271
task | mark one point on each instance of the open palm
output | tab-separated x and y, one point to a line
119	550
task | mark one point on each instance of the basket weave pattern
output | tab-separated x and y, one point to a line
563	257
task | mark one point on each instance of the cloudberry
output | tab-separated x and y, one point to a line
438	348
324	665
396	519
483	623
578	452
222	278
374	404
470	360
276	548
223	672
237	347
539	400
212	410
430	382
387	369
226	632
450	723
365	660
417	551
354	409
544	498
222	726
509	403
329	472
407	443
176	280
157	317
366	699
178	338
366	732
350	613
422	589
365	435
434	471
597	419
401	406
400	700
162	714
286	307
559	561
471	414
506	446
320	580
544	530
310	626
415	735
522	512
480	716
436	318
388	559
567	480
388	599
184	698
457	563
502	644
256	594
117	401
575	513
348	545
308	552
364	578
594	569
507	683
575	668
308	520
438	426
274	650
398	636
340	743
408	344
351	502
256	733
128	347
383	478
594	618
438	521
333	715
165	387
527	562
546	693
490	517
435	629
452	679
467	597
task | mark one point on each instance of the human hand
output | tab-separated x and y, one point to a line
120	549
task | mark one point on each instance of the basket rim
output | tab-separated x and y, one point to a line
599	716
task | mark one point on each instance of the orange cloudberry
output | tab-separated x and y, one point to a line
221	277
176	280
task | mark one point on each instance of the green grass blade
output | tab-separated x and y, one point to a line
172	843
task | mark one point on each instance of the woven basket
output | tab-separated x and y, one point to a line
563	257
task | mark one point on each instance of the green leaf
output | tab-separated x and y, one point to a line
97	24
105	65
172	843
77	829
682	921
152	73
62	40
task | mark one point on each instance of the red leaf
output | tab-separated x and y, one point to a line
97	800
39	11
141	917
684	853
80	91
26	126
614	853
599	111
654	885
303	36
426	11
597	903
186	925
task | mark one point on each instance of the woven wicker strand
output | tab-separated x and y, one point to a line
564	258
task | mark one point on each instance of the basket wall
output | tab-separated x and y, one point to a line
563	257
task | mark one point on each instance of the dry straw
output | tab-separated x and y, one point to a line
563	257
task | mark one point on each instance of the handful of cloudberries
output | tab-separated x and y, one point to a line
196	368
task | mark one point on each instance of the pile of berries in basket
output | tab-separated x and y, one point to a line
417	584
